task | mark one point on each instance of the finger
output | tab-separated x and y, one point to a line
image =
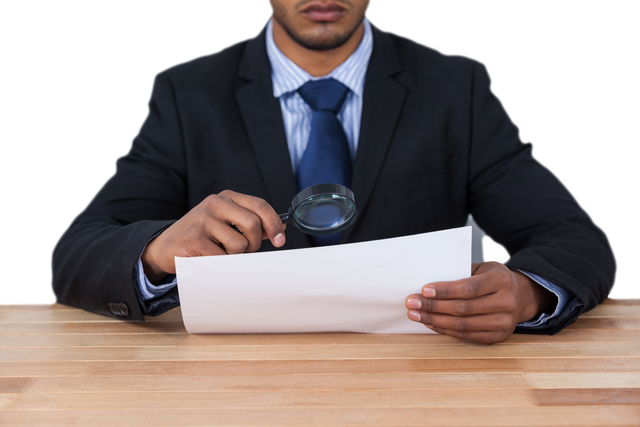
224	209
486	337
472	287
231	225
494	303
485	282
270	222
481	322
225	236
264	233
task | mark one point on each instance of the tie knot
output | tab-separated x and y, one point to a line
325	94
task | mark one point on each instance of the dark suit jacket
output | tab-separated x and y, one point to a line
435	145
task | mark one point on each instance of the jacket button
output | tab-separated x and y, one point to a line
119	309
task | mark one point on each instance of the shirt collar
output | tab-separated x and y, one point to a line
289	77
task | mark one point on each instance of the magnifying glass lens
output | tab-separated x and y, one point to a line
325	214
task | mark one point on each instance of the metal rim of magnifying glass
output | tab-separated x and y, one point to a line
319	189
324	189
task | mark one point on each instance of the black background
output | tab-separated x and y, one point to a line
89	81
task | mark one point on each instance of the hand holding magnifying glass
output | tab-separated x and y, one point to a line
207	228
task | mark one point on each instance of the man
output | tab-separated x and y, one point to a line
418	136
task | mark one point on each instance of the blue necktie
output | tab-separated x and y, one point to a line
327	158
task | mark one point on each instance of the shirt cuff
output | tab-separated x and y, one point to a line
147	289
563	298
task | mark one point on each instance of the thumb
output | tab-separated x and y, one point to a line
476	268
278	240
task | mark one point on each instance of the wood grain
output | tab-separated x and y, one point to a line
160	327
185	340
327	367
607	415
412	381
327	352
592	396
60	366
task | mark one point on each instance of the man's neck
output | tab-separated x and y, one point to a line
318	63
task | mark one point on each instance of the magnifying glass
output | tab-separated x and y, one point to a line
322	209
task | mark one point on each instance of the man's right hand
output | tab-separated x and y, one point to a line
207	229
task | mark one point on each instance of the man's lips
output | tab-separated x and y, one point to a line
324	12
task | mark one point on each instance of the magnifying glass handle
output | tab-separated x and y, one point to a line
285	217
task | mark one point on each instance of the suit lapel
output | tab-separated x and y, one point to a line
382	102
263	120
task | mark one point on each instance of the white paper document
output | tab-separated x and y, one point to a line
357	287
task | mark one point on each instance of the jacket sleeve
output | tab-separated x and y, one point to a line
94	261
524	207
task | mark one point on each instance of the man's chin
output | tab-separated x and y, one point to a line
322	39
321	44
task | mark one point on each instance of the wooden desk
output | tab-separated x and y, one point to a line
60	366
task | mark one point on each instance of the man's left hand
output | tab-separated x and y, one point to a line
486	307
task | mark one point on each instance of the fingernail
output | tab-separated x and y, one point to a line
279	240
429	292
414	303
414	315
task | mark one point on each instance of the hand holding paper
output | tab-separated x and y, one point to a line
485	307
359	287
